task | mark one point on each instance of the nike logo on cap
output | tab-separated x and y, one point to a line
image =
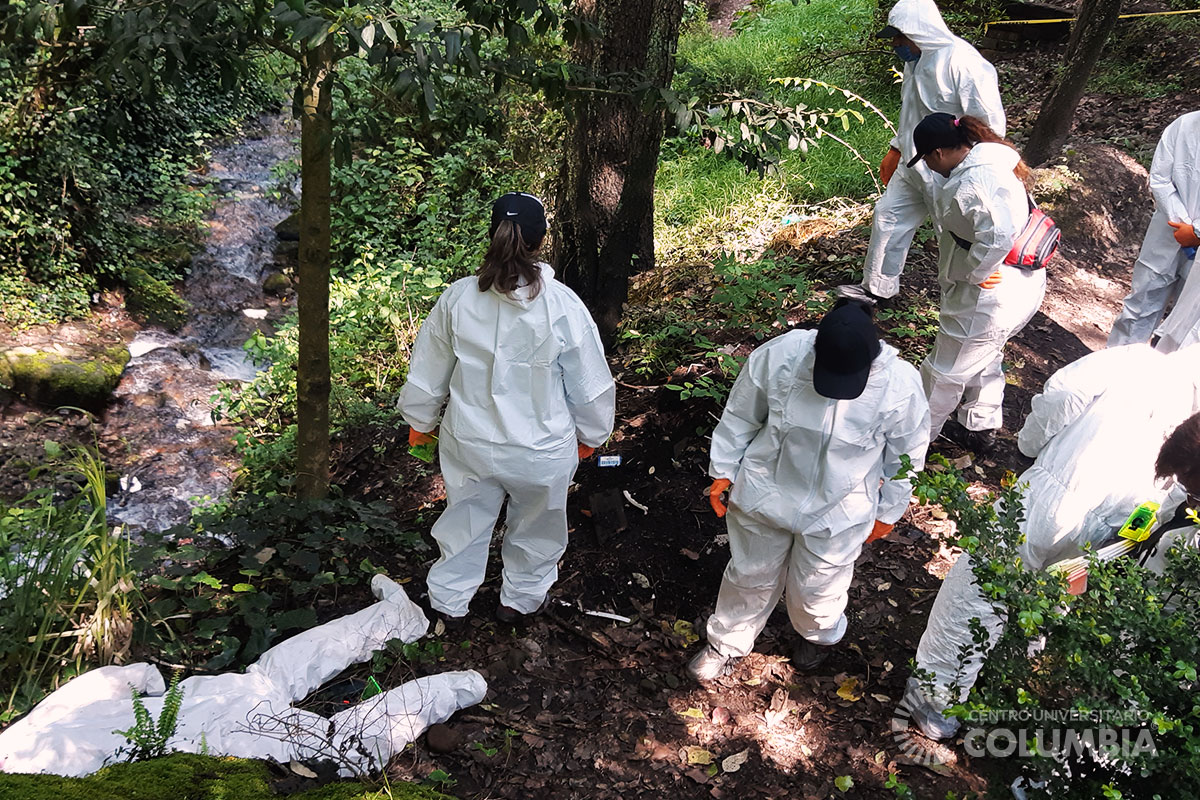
511	213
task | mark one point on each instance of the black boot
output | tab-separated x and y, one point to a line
807	656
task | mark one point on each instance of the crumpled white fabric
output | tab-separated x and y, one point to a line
1162	270
73	731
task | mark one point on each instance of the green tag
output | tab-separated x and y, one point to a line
423	451
373	688
1137	528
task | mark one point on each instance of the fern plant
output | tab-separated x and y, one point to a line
148	738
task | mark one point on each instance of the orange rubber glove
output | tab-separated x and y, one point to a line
1185	234
992	281
719	487
880	530
585	451
887	167
416	438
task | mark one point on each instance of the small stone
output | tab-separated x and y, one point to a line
443	739
721	716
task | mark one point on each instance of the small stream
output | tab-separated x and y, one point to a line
159	430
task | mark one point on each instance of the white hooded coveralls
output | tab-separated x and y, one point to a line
523	379
983	204
1161	270
951	77
810	476
1095	431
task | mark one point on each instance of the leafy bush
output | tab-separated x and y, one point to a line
1122	655
92	178
241	575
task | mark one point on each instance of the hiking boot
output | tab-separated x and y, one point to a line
510	616
981	442
451	624
807	656
708	665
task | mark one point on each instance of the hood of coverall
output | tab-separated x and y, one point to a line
523	295
921	21
1001	157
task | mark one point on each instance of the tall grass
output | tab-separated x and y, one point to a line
65	583
708	203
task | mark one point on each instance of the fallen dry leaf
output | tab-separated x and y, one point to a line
734	762
849	690
697	755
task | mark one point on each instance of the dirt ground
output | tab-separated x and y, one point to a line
582	706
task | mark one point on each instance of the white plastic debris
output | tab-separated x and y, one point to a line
255	313
250	715
634	503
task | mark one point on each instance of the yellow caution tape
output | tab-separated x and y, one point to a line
1073	19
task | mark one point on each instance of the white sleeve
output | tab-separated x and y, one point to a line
979	95
1162	185
995	231
744	415
429	371
591	393
1070	391
907	434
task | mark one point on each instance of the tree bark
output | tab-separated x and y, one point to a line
1096	20
605	208
312	365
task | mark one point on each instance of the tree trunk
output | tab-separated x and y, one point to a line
312	365
1096	20
605	209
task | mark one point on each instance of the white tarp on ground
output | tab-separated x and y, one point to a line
73	731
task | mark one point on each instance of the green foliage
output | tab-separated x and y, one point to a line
1122	655
407	221
147	738
912	328
184	776
92	178
64	577
243	574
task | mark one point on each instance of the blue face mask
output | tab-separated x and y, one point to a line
906	54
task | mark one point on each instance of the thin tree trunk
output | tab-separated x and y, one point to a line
605	204
312	366
1096	20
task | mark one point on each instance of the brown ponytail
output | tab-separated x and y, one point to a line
509	262
974	130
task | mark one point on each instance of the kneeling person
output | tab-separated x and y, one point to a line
811	435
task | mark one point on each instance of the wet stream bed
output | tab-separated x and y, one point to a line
158	432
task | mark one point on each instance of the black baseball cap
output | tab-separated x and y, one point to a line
847	343
936	130
525	210
889	32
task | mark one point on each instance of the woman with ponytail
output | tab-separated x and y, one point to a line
516	360
982	208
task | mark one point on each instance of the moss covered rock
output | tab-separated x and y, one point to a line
185	776
63	378
277	284
153	301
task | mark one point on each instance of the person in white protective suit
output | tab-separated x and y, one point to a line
1163	265
515	358
983	206
941	73
1096	431
812	433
